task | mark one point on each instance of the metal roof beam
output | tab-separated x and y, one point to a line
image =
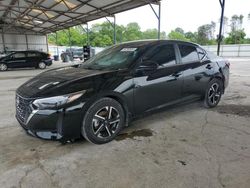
72	16
8	9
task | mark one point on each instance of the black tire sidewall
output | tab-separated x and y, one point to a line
207	103
86	129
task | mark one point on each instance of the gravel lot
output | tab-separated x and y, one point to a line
183	147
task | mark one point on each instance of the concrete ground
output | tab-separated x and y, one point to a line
183	147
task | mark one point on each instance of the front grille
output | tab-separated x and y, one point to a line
23	109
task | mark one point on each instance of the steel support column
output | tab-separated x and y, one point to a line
87	32
26	39
114	27
70	44
57	50
47	43
158	16
4	47
88	43
220	37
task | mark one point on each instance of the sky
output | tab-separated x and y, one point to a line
187	14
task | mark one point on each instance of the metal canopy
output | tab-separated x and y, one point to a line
46	16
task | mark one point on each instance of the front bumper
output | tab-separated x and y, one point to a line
49	62
42	124
63	124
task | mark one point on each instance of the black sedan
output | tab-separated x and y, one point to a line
24	59
97	99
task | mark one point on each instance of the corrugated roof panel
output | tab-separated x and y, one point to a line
46	24
48	3
60	7
100	4
62	18
116	4
84	9
58	14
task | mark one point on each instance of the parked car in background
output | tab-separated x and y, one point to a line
24	59
75	53
97	99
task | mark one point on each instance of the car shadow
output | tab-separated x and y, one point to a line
132	130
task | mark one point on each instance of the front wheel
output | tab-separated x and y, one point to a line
103	121
213	93
41	65
3	67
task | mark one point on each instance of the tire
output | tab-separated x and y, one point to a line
41	65
213	93
3	67
103	121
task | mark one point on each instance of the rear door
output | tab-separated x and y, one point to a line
33	58
17	60
197	70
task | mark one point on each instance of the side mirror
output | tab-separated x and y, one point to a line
148	66
10	57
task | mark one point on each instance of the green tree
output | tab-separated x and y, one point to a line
101	34
205	34
150	34
177	36
236	22
237	34
236	37
179	30
132	32
191	36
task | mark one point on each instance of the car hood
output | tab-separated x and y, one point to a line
58	79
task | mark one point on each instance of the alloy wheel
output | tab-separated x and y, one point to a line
214	93
42	65
3	67
105	122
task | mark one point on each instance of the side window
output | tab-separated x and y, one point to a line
188	53
32	54
19	55
202	54
164	55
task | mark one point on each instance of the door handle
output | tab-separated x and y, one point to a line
137	86
209	67
176	74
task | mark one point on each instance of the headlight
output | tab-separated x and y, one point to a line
53	102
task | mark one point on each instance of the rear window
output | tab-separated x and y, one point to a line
202	54
188	53
32	54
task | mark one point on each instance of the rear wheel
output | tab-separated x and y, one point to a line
103	121
41	65
213	93
3	67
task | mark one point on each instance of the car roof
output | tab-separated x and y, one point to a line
155	41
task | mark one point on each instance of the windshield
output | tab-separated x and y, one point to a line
115	57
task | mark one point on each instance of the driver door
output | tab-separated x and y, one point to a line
159	86
18	60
